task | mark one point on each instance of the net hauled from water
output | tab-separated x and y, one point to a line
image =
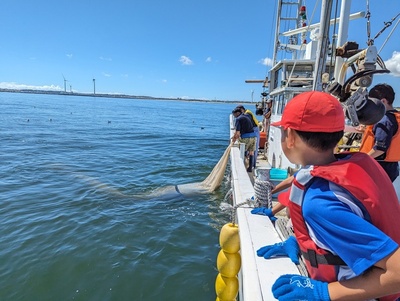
214	179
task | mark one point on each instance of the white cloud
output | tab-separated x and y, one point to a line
164	81
393	64
266	61
106	74
208	60
69	56
15	86
185	60
105	58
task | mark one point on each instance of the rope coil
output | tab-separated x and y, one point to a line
263	195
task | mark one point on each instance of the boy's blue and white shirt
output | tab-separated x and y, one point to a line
339	223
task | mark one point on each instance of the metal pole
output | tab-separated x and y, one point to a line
322	48
342	35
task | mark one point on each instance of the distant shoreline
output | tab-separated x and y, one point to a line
125	96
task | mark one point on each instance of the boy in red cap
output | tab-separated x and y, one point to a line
344	211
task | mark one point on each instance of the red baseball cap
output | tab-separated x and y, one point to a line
313	111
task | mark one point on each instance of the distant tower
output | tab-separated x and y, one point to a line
65	84
94	86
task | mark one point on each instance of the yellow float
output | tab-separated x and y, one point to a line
228	263
229	238
226	287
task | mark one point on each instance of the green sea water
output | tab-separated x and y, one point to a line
79	220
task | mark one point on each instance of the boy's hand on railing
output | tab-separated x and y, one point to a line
288	248
264	211
296	287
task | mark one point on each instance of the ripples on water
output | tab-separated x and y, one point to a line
77	222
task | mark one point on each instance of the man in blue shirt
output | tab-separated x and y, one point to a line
244	133
255	123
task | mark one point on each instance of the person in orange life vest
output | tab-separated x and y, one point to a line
382	140
344	211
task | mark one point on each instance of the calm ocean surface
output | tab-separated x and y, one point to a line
78	221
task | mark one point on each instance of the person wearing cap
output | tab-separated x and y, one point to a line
256	129
244	133
267	117
344	211
382	140
268	109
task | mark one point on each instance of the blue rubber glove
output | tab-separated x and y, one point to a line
264	211
296	287
286	248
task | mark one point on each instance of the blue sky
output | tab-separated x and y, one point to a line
190	49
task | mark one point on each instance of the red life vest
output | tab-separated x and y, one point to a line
375	192
393	152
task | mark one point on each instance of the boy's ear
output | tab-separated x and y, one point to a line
290	137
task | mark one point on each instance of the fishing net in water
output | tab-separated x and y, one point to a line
214	179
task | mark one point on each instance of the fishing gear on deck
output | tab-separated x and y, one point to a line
360	108
353	92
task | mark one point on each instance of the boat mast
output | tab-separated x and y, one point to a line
293	20
276	42
342	34
322	47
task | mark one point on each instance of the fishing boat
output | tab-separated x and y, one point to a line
316	61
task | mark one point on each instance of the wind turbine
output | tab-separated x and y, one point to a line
65	83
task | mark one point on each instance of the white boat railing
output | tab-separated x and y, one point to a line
257	275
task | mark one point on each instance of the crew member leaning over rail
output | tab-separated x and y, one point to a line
344	211
244	132
256	130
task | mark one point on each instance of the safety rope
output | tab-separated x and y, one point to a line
390	34
370	41
248	202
